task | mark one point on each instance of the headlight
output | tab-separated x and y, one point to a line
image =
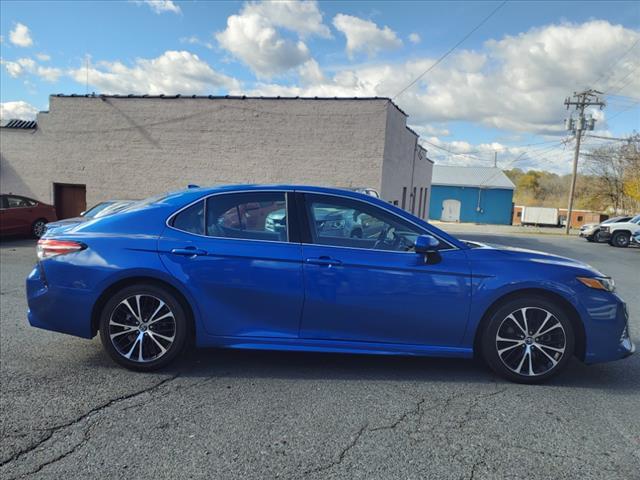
599	283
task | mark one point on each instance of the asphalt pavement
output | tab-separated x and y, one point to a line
68	412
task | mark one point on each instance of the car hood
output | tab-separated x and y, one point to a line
589	225
487	251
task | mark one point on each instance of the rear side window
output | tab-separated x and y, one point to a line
19	202
249	216
191	219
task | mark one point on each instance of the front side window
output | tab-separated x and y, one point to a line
344	222
249	216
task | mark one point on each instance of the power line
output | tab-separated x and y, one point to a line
446	54
620	88
450	151
609	69
623	110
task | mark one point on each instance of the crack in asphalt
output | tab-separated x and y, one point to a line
72	450
343	452
415	410
53	430
473	468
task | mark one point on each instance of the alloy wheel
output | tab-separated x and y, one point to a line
622	240
39	228
142	328
531	341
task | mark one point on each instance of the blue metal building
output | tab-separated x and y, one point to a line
471	194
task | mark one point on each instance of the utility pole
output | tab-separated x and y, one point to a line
581	100
495	159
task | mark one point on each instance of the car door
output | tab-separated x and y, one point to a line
5	216
245	278
374	288
17	215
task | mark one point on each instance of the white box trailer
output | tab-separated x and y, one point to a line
540	216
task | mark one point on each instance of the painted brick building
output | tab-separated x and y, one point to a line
107	147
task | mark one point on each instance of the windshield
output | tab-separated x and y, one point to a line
636	219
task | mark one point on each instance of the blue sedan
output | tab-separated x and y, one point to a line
270	267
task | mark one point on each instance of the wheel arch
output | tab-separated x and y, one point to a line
567	307
125	282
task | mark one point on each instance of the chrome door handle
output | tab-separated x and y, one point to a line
326	261
188	251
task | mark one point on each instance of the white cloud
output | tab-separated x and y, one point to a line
252	35
17	110
414	38
161	6
514	84
193	40
24	66
20	36
304	18
172	72
364	35
43	57
50	74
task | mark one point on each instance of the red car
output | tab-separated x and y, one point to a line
24	216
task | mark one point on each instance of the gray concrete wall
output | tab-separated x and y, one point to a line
135	147
404	166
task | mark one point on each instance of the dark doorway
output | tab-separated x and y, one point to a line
69	199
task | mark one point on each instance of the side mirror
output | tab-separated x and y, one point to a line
428	246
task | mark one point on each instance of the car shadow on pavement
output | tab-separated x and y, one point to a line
246	364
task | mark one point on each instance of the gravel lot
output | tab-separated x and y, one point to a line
69	412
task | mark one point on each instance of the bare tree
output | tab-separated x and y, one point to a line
612	170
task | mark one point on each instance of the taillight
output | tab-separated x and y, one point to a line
48	248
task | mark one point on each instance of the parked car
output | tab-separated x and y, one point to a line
591	231
24	216
619	234
99	210
163	270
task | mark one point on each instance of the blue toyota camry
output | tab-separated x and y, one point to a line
316	269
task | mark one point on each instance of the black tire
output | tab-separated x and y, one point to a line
621	239
38	227
514	363
591	238
148	334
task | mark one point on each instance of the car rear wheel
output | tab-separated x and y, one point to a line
528	340
38	228
143	327
621	239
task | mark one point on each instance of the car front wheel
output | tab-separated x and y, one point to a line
620	239
143	327
528	340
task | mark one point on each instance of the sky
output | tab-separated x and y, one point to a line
501	91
